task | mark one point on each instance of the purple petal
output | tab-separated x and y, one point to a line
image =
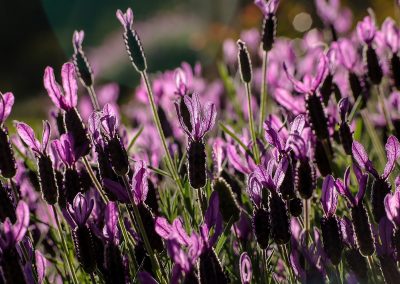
145	278
322	70
21	226
210	114
343	188
298	85
393	153
298	124
347	231
41	265
344	105
362	183
53	89
245	268
139	182
385	234
77	39
163	228
6	103
112	219
294	104
27	135
69	84
366	30
392	207
329	196
125	19
272	136
280	172
117	189
361	157
212	212
179	232
63	148
45	136
254	188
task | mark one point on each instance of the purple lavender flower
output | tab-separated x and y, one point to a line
381	187
202	120
359	215
330	226
67	101
7	162
366	30
245	268
269	24
81	63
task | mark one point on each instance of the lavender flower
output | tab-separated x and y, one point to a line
269	24
202	120
67	101
7	162
380	187
81	63
245	268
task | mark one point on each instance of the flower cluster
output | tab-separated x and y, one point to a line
184	185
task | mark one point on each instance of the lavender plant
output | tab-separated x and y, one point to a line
199	191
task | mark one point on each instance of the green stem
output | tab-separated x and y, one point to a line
251	122
64	245
92	278
93	98
263	101
95	181
156	118
143	233
371	267
306	220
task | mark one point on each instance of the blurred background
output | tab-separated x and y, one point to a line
38	33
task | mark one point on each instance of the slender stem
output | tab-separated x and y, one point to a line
93	98
381	98
142	230
64	245
95	180
251	121
287	261
237	139
263	101
306	220
156	118
92	278
374	138
371	267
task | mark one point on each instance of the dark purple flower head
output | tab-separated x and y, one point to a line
12	234
384	244
77	40
267	7
202	119
110	230
245	267
346	53
181	82
366	30
344	187
63	100
64	148
81	209
347	232
392	207
265	178
329	198
309	84
344	106
6	103
27	135
126	19
392	148
280	141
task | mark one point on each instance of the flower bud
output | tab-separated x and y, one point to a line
185	114
72	185
375	73
287	187
152	197
135	50
149	226
244	62
105	169
357	264
118	156
362	229
380	188
316	116
332	238
280	223
84	248
228	206
321	159
114	264
305	178
197	164
261	226
346	137
83	68
7	209
268	32
8	166
74	125
295	207
326	88
47	179
211	269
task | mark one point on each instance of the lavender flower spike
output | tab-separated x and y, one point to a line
82	65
